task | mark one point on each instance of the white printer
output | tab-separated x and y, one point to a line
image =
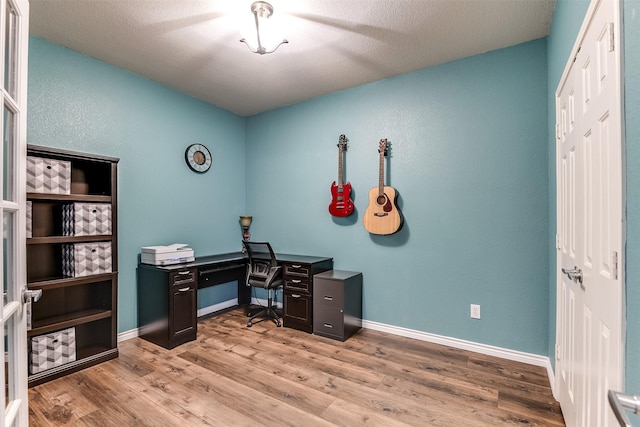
167	255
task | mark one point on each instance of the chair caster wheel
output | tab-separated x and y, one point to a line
249	325
278	324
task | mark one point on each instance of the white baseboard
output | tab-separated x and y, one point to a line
133	333
504	353
217	307
264	302
489	350
127	335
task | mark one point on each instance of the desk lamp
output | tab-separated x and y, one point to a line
245	222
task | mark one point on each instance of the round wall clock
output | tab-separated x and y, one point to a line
198	158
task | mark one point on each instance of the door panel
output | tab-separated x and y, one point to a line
590	226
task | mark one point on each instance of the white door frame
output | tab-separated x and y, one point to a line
618	223
13	128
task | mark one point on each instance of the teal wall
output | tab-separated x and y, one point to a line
469	160
468	157
632	131
78	103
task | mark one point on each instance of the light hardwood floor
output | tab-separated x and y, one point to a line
237	376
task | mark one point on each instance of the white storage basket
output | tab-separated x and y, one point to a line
52	350
85	259
48	176
29	215
86	219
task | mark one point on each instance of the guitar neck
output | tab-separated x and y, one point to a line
340	166
381	179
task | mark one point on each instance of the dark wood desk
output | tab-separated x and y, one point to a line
167	295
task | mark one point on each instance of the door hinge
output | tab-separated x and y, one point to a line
557	130
557	351
614	265
612	45
557	241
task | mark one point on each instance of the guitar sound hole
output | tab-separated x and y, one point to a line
381	200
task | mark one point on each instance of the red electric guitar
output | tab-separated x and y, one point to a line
382	216
341	203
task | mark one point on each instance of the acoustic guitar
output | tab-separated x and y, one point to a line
341	203
382	216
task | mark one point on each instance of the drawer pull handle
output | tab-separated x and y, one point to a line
296	281
296	265
295	295
328	298
184	272
184	289
328	325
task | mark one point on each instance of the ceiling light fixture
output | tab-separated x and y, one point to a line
262	11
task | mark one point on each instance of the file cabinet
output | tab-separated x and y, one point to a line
337	303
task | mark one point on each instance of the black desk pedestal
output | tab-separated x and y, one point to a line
167	305
298	288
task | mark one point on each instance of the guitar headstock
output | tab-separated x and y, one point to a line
382	149
342	143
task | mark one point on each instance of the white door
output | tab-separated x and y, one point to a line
589	339
14	20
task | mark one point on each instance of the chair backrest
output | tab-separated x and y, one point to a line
260	251
262	261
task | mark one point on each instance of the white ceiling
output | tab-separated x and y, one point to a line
193	45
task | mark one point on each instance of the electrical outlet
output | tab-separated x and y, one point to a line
475	311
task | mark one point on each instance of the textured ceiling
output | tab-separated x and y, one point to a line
193	45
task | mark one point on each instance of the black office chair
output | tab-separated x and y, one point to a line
263	272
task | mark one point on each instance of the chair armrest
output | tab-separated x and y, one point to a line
273	272
263	280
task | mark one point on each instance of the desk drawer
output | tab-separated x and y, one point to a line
297	284
297	269
298	311
183	277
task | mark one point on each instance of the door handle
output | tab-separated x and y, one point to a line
619	402
574	274
29	296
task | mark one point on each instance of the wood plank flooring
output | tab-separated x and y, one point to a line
237	376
